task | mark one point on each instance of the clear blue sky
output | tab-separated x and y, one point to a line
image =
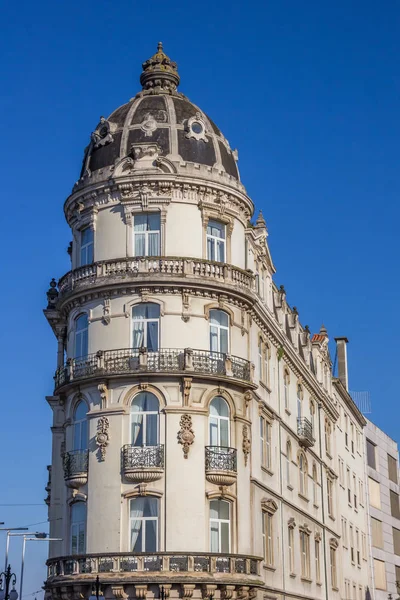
307	91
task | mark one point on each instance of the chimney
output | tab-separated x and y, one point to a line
341	350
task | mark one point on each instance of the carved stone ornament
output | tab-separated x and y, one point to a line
119	592
148	125
102	134
246	444
102	437
186	434
196	128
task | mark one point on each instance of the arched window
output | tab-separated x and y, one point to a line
219	331
81	336
78	528
80	426
299	401
220	526
146	326
303	471
144	525
288	460
216	237
219	422
286	388
315	485
145	410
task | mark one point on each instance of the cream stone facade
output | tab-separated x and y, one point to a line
200	442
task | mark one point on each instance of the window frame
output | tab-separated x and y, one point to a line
305	559
86	250
145	326
143	424
213	241
268	537
146	233
220	522
77	525
81	336
303	474
144	521
82	425
219	328
266	442
219	420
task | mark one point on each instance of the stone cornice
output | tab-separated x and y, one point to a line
160	188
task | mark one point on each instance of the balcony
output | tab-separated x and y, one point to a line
131	361
140	567
142	464
305	432
221	465
128	270
75	465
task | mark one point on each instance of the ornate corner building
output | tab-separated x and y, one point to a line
198	433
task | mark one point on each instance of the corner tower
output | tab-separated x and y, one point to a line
189	400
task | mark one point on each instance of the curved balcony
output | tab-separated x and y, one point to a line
131	361
75	465
128	270
155	567
221	465
142	464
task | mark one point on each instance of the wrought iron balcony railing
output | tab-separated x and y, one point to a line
221	465
305	431
129	269
143	463
76	463
166	360
178	562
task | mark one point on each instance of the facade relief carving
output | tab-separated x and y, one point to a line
186	434
102	436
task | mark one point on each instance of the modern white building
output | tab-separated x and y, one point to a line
382	466
201	447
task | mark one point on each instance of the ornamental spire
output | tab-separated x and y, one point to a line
160	73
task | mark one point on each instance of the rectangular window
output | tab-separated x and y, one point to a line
354	591
374	493
291	549
220	526
216	234
317	561
268	539
352	557
397	568
392	468
380	574
344	532
346	431
146	234
329	484
355	491
396	541
364	546
376	533
305	554
145	325
144	524
348	486
78	528
87	239
265	440
358	548
361	492
352	437
394	504
371	460
333	568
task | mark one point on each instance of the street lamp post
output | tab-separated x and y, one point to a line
39	537
6	578
8	529
96	590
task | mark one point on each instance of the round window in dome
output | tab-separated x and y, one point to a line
197	127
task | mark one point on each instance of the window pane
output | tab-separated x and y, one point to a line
376	533
214	541
153	222
140	244
392	467
374	492
80	411
152	336
220	251
219	407
213	432
223	510
224	432
151	430
394	504
380	574
137	532
224	341
371	454
140	223
150	508
219	317
151	536
214	512
154	245
213	339
216	229
78	512
396	541
81	539
224	537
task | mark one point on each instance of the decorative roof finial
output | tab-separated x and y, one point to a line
323	330
260	223
160	73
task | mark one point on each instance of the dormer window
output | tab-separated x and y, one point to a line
216	241
146	234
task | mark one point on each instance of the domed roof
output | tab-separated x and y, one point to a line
160	115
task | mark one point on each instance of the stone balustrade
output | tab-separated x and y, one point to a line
131	269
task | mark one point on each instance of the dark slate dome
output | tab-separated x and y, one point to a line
160	114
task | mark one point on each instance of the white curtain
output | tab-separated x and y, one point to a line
154	243
138	334
137	507
137	428
152	336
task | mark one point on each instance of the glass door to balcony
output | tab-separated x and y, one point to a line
145	420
